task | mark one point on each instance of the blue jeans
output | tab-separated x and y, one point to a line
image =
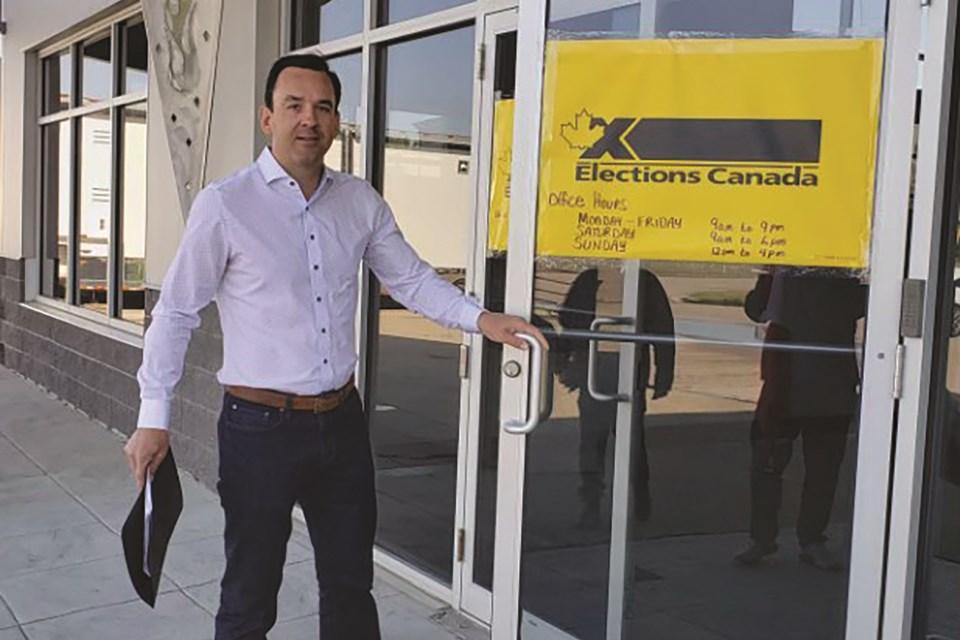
271	459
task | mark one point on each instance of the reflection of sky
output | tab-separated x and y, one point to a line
97	78
66	78
136	81
340	18
432	77
350	70
399	10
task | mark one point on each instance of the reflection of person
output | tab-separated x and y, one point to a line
598	418
278	245
810	393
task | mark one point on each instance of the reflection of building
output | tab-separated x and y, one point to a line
90	221
95	200
428	185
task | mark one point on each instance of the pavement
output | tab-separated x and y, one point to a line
65	491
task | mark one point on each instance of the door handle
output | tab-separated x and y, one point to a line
520	427
593	356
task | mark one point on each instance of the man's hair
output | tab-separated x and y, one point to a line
301	61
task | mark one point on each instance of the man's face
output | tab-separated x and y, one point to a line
304	120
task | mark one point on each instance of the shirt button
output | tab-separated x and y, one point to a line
324	361
323	330
319	299
315	267
292	183
313	237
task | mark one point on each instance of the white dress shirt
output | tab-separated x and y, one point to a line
283	271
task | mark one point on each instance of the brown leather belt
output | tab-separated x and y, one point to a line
327	401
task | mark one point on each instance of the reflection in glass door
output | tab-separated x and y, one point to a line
694	473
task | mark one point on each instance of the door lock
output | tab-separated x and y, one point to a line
512	369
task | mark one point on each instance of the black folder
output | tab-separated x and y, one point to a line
145	543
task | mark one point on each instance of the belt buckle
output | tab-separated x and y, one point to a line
317	407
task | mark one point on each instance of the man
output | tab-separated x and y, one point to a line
810	393
278	246
598	419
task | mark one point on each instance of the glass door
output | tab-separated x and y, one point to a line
700	195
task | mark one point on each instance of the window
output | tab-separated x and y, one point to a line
93	171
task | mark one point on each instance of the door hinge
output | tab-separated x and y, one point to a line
898	364
482	64
911	310
464	362
461	544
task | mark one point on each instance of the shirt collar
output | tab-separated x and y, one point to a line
271	170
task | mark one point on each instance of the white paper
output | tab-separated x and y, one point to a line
147	516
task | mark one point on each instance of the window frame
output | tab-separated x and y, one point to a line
116	27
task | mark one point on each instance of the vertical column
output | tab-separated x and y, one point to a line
184	41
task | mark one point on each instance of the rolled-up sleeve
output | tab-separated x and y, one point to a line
413	282
191	283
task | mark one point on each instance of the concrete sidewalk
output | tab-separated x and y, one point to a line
64	493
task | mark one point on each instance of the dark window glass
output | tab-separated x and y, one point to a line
727	17
135	58
415	420
399	10
325	20
344	154
940	572
620	20
94	194
937	616
55	206
97	70
57	82
133	211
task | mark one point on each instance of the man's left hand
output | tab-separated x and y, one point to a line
504	329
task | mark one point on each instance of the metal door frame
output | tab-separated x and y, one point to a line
474	599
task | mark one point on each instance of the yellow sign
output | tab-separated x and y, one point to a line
747	151
499	218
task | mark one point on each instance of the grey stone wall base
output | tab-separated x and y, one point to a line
97	374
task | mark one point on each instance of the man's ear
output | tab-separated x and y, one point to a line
266	117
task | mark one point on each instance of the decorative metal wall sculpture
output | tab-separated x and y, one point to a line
184	38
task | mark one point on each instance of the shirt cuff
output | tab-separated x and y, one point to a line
154	414
470	315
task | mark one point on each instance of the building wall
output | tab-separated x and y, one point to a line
87	363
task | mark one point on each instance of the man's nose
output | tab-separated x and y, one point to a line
309	118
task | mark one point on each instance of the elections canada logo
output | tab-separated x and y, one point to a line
718	151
